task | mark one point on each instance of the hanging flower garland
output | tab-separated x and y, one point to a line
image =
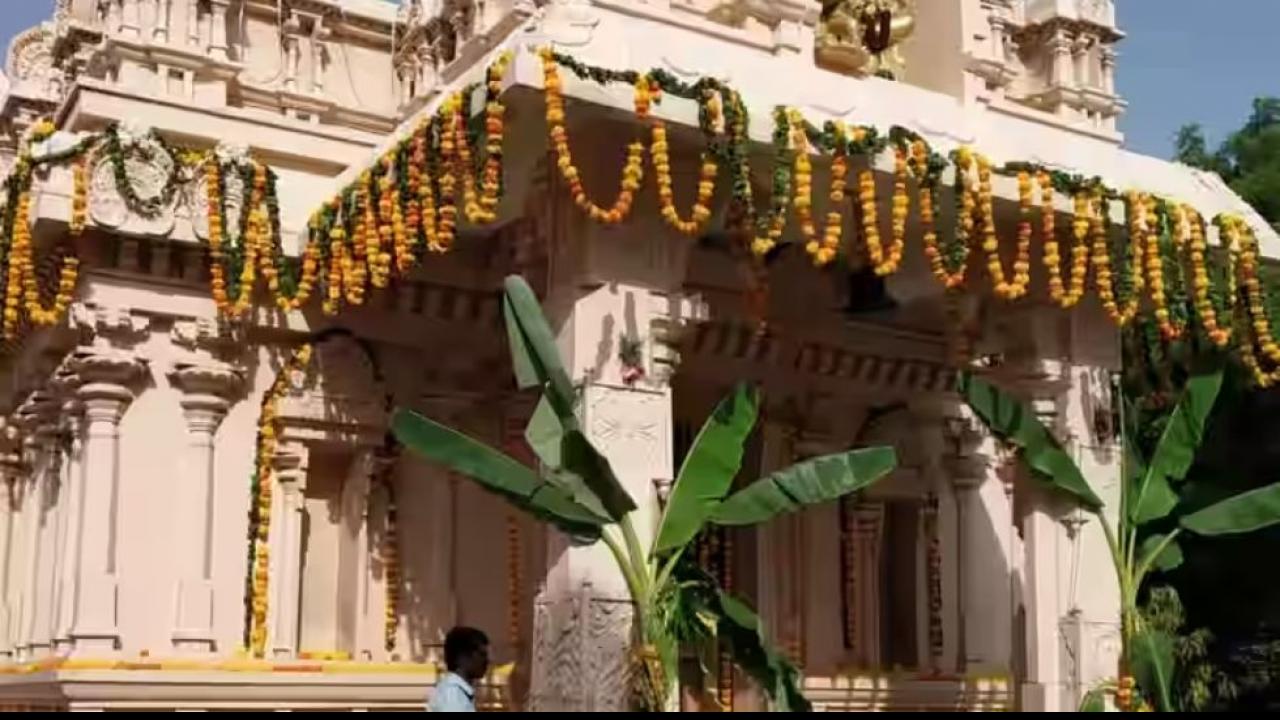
377	228
660	153
1119	288
633	171
391	566
261	488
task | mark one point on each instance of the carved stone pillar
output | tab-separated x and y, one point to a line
1108	62
609	290
291	37
106	394
206	388
193	22
69	531
288	504
868	541
9	517
10	526
217	46
969	470
131	19
319	56
160	21
113	15
1080	59
428	72
39	417
1061	72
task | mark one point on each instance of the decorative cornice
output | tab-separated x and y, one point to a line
743	342
115	323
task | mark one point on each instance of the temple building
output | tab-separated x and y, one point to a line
238	233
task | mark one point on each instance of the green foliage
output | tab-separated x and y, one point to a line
1016	422
1249	159
1198	683
576	491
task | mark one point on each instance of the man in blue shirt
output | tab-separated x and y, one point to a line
466	654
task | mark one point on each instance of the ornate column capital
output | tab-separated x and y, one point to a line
108	324
209	378
108	377
38	418
965	462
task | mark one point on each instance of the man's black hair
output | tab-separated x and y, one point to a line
462	641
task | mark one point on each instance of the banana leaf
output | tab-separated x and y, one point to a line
1094	701
1243	513
1151	494
554	432
497	473
580	459
708	470
1016	423
1151	657
811	482
534	355
743	634
572	462
1168	559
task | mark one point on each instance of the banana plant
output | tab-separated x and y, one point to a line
576	491
1152	517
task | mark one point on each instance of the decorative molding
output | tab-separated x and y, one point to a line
201	333
108	323
148	169
210	378
716	341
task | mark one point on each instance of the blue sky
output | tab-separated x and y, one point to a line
1184	61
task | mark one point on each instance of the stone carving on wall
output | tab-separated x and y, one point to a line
580	658
148	167
30	64
864	37
342	397
568	23
626	424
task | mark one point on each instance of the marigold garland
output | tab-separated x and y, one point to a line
1155	261
418	183
940	264
1109	291
79	195
660	153
261	489
391	564
1065	296
632	173
1003	288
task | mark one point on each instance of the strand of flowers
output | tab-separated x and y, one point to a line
21	282
632	173
1155	219
1244	247
1066	297
391	564
648	93
435	158
948	263
1004	288
515	579
1129	288
933	568
261	487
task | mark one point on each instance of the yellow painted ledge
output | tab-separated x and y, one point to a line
235	665
429	671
